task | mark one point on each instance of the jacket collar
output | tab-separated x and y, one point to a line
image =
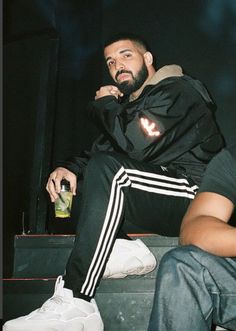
171	70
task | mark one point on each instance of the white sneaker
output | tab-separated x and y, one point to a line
129	257
62	312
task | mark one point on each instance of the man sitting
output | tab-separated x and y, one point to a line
196	283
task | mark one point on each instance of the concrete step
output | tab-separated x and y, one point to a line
46	256
125	304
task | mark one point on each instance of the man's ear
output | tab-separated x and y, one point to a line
148	58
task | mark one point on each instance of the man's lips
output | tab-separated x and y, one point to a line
123	76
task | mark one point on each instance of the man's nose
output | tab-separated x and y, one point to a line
119	65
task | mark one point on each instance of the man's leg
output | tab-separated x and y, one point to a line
193	290
114	186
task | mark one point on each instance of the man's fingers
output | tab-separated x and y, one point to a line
108	90
53	187
51	190
73	184
54	182
73	188
57	183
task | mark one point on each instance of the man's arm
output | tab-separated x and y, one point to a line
169	110
205	225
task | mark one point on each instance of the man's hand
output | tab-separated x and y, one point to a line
108	90
54	182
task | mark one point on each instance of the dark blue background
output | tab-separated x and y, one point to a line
199	35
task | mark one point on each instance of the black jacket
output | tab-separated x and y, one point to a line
180	111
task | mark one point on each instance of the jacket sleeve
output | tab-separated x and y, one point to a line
77	164
160	118
107	113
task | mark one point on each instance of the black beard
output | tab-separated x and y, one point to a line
129	87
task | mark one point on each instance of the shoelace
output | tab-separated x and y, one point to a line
52	303
57	299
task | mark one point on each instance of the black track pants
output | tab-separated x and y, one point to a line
116	188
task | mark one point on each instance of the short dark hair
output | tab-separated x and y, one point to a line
127	36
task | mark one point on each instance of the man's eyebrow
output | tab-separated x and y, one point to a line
125	50
121	52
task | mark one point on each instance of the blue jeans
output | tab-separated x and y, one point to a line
194	289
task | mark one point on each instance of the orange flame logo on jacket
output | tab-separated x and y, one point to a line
149	127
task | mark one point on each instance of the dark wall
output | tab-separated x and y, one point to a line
75	61
29	113
200	35
78	25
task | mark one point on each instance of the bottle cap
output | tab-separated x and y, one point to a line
65	185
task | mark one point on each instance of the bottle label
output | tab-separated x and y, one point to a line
63	204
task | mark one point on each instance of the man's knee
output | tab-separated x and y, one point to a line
175	265
179	255
188	256
102	161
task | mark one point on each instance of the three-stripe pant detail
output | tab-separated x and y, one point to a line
140	180
110	182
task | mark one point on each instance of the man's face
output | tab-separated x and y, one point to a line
126	65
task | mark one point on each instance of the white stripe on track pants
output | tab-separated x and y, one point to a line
117	187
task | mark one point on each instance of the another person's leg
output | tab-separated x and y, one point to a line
193	290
